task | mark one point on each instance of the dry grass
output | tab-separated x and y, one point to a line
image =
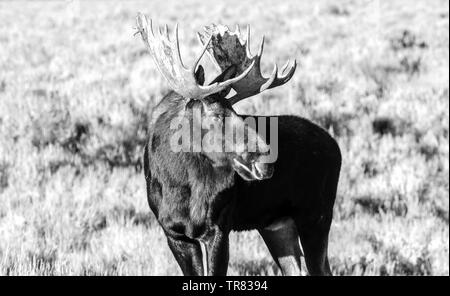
76	88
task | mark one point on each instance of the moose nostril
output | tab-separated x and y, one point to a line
265	169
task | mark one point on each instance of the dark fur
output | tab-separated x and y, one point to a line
193	200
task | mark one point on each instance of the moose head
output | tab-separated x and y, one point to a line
208	103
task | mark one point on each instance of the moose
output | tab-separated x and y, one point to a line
199	196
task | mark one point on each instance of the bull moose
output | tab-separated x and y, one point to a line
199	196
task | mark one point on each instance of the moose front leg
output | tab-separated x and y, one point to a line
188	254
217	254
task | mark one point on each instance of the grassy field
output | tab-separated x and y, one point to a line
76	88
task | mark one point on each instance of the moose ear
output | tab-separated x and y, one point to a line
229	73
200	75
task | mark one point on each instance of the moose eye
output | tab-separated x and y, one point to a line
217	117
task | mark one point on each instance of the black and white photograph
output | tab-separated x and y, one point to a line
224	138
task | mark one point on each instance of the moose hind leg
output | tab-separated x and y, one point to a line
314	226
314	239
282	241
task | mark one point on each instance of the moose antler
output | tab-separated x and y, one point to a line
166	54
232	48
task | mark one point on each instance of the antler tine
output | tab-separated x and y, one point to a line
205	47
271	79
177	44
285	66
291	71
285	77
248	42
200	38
261	48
